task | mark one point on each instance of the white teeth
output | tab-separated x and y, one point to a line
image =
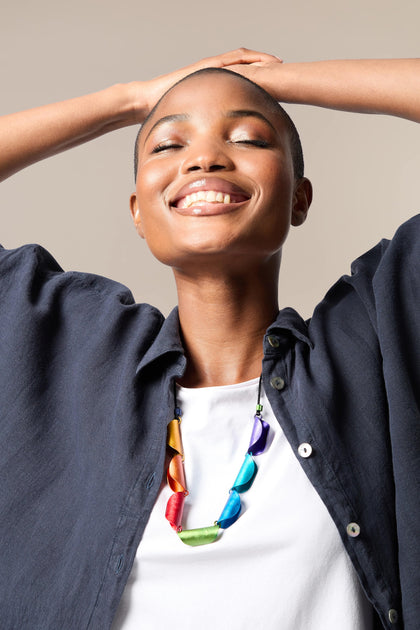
209	196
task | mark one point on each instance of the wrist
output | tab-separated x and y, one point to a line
135	102
286	83
127	102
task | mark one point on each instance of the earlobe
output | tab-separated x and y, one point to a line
135	213
302	199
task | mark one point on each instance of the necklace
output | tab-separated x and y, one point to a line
243	481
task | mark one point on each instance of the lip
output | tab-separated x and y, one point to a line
209	183
209	209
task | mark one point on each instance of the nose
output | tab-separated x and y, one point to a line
206	155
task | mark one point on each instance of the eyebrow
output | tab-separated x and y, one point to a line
166	119
247	113
236	113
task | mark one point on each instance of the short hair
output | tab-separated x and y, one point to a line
295	143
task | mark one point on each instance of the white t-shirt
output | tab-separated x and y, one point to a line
281	566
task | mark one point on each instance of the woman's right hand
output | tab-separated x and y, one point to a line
29	136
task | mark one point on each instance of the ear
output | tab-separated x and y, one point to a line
302	199
135	213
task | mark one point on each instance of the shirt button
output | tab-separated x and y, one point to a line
393	615
353	530
277	382
305	450
274	341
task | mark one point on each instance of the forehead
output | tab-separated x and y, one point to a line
213	93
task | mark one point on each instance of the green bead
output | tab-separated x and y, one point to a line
200	536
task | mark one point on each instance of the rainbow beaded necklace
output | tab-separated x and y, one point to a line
243	481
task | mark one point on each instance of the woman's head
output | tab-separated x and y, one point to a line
213	134
297	152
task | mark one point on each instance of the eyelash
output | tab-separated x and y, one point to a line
258	143
163	147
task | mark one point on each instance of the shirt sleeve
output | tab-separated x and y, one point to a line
396	290
367	345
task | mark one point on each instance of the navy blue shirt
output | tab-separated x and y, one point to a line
86	393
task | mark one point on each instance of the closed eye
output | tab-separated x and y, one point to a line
165	147
256	143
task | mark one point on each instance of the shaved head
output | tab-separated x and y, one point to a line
269	102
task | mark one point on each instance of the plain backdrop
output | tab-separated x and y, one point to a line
364	169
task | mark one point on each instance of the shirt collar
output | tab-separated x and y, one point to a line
289	320
168	339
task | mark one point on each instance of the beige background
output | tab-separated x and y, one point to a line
364	168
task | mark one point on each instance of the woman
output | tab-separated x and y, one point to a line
219	181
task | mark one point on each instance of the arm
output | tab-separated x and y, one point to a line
375	86
30	136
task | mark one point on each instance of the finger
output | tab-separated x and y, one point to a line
244	56
240	56
253	69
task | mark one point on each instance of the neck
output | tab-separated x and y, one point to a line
223	318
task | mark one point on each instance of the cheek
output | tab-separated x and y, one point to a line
153	226
152	180
278	190
274	174
277	187
146	188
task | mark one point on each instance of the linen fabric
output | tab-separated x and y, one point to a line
86	393
281	566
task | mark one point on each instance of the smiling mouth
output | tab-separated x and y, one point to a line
209	202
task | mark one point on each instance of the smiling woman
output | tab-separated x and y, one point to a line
325	536
191	146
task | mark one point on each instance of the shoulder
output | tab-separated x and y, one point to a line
374	272
34	288
405	244
361	312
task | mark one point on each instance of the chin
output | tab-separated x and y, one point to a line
212	247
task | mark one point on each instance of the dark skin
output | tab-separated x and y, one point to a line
225	256
225	265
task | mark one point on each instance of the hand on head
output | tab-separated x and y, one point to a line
237	60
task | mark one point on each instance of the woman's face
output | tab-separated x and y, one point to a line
215	176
